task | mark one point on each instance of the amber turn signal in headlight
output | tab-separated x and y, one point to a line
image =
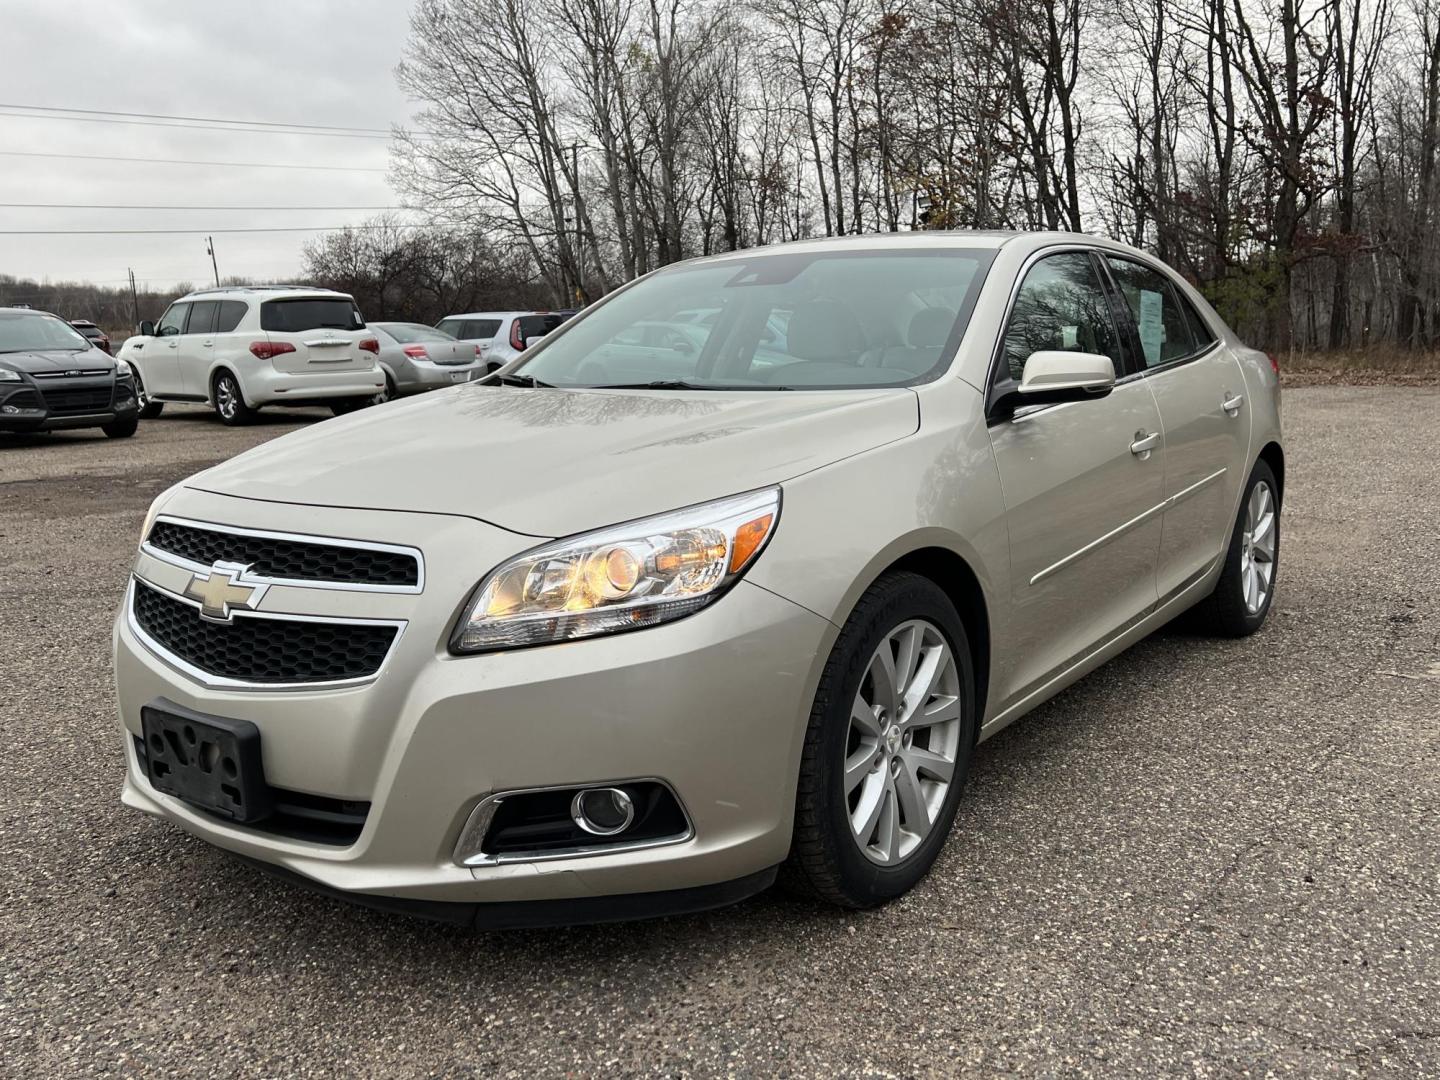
620	578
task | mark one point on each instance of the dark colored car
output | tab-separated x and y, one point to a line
52	376
93	334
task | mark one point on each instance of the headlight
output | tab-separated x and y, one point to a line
156	507
123	368
6	375
621	578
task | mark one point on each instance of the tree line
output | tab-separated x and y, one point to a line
1279	153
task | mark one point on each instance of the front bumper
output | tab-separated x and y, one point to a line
55	404
715	705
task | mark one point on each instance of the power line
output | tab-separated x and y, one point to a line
202	231
191	127
186	161
141	206
196	119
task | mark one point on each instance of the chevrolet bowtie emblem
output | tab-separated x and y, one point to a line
220	591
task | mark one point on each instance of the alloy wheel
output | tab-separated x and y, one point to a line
227	396
903	740
1257	547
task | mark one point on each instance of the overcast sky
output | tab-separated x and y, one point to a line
286	61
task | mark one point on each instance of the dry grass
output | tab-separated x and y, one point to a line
1378	365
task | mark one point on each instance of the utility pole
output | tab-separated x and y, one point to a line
134	300
210	250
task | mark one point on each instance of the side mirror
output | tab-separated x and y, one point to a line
146	329
1052	376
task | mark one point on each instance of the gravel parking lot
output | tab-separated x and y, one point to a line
1209	858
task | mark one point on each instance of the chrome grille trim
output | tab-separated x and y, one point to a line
298	538
221	682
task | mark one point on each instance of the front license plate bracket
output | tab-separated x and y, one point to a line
210	762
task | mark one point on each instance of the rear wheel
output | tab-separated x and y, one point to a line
1246	588
229	401
388	394
888	747
341	406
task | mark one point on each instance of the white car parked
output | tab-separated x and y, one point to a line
501	335
241	348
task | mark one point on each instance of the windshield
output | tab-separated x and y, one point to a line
410	333
310	313
26	333
832	320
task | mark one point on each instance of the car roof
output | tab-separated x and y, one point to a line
262	292
497	314
28	311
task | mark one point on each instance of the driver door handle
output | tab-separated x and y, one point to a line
1232	404
1144	443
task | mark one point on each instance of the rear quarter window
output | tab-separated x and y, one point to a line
310	313
231	312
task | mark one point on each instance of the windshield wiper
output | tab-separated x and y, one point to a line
657	384
515	379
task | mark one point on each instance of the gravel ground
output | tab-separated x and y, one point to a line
1209	858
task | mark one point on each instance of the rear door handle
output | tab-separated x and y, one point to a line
208	344
1143	443
1232	404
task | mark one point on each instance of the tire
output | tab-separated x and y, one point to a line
121	429
343	406
829	856
149	410
1232	610
229	400
388	394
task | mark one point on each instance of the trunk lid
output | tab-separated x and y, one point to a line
323	334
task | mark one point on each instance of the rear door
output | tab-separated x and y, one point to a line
1199	389
323	332
477	330
196	346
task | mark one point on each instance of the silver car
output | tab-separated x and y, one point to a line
417	358
718	608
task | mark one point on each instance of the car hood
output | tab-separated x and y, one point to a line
553	462
45	361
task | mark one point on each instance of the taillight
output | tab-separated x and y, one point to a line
371	344
268	350
1274	362
479	351
416	352
516	341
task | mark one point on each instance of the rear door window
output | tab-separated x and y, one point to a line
202	317
534	326
1160	321
470	329
231	312
310	313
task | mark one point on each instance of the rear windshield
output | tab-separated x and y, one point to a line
91	331
23	333
310	313
534	326
409	333
470	329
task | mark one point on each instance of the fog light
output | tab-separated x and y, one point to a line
602	811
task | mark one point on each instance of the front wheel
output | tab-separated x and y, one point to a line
121	429
889	743
149	409
230	402
1246	588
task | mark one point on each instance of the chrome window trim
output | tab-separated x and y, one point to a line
477	824
1176	283
300	538
223	682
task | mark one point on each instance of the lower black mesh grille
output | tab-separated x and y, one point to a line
24	399
77	400
297	560
259	650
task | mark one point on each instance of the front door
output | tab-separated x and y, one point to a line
1083	485
1199	389
160	369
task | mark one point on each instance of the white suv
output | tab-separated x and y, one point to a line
240	348
501	335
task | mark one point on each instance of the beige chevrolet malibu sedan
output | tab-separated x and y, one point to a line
733	570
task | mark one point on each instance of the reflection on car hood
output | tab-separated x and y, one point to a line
45	361
553	462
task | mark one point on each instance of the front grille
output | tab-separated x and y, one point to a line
255	649
299	815
24	399
77	400
295	560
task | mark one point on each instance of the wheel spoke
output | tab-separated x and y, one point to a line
1260	535
884	688
927	674
858	765
911	801
866	814
862	716
929	764
910	639
887	833
942	710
